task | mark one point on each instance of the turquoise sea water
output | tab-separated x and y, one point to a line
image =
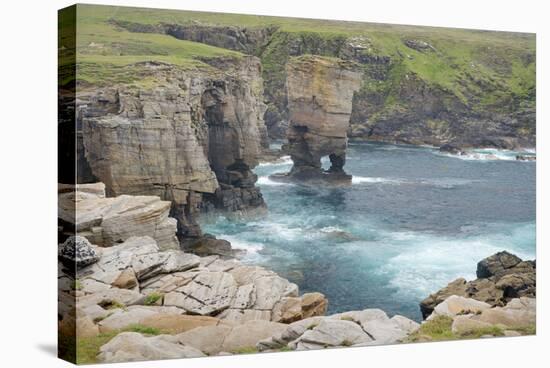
412	221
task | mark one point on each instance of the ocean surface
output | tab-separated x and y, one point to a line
412	221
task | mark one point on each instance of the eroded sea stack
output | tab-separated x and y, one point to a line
320	92
191	138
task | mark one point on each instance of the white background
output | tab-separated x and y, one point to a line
28	104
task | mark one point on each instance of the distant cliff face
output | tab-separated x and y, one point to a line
320	93
467	88
188	137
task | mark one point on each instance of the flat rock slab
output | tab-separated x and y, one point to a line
330	333
175	324
135	315
132	347
206	294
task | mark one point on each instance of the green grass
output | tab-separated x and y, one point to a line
245	350
439	329
106	54
87	348
77	285
152	298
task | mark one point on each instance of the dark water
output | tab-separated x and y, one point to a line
412	221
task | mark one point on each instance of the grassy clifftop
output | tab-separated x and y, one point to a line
103	50
454	73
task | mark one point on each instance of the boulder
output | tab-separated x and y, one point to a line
287	310
271	289
501	277
248	334
209	245
384	331
496	265
362	317
132	347
405	324
77	252
455	305
85	327
466	324
517	313
208	339
313	304
126	279
331	333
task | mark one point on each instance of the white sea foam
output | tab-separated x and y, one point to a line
331	229
265	180
251	248
446	183
488	154
373	180
425	263
283	160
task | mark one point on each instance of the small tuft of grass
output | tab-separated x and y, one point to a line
112	304
87	348
477	333
347	343
245	350
440	329
285	348
144	330
77	285
99	319
526	330
152	298
437	329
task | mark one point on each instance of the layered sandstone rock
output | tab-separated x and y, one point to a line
109	221
189	137
320	92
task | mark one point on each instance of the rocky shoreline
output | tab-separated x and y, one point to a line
139	297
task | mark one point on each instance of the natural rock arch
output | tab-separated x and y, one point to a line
320	92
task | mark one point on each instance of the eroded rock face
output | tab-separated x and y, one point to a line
320	93
501	278
191	138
